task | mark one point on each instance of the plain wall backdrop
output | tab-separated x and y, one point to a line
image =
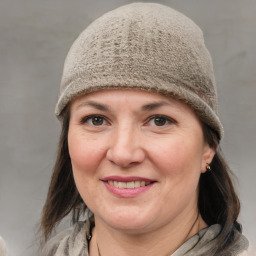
34	39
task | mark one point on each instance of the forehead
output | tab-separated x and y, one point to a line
128	97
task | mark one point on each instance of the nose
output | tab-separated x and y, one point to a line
126	148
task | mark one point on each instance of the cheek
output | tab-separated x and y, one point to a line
177	157
178	163
85	154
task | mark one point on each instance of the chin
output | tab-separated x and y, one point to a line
129	223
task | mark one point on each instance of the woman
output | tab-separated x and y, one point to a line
139	144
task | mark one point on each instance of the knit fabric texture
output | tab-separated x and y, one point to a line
74	242
145	46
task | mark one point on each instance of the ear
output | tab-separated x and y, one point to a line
208	154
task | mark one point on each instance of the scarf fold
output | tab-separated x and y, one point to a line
75	242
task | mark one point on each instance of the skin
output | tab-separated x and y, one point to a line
128	138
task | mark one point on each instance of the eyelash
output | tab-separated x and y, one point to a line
87	118
151	118
165	118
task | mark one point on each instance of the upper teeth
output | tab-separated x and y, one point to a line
130	184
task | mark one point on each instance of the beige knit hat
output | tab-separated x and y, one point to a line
144	46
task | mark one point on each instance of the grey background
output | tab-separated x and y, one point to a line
34	39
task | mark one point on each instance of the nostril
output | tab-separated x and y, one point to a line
125	148
125	158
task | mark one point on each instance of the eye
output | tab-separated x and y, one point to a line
94	120
159	120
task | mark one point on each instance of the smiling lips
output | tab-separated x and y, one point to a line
127	186
130	184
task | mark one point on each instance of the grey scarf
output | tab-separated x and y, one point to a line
74	242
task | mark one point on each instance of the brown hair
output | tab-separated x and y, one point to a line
63	196
218	202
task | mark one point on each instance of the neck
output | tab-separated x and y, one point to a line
110	242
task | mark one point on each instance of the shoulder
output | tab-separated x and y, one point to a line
71	241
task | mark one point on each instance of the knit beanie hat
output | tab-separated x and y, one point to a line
143	46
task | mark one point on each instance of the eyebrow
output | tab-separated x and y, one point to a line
155	105
93	104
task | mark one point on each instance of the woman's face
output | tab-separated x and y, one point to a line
137	157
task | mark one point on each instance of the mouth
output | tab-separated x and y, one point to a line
129	184
128	187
